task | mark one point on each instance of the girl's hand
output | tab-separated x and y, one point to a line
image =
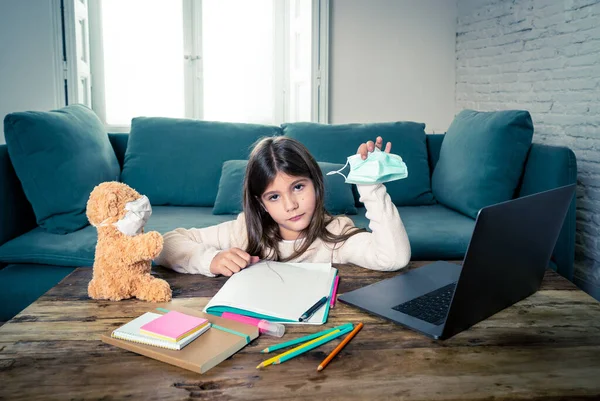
231	261
370	147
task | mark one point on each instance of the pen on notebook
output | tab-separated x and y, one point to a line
311	311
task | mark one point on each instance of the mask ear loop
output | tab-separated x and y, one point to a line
101	224
338	171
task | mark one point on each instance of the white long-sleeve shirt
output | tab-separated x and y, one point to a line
386	247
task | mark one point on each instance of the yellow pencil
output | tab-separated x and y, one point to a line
276	357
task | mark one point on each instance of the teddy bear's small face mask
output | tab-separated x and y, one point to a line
138	213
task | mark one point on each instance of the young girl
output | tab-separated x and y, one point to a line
284	219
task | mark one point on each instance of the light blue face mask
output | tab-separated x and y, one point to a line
378	167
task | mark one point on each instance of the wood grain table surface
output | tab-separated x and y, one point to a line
546	347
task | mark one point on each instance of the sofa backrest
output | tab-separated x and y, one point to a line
178	162
434	144
119	144
16	213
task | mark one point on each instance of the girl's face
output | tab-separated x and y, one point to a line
291	203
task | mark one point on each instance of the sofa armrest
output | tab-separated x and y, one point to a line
16	214
549	167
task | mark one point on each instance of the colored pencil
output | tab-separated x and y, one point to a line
270	361
339	347
303	339
307	347
334	293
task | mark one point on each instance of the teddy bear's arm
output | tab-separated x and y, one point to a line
145	246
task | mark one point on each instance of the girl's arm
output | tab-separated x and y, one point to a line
386	247
192	250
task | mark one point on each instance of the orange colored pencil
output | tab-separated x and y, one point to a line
339	347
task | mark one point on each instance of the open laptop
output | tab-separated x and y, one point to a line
506	259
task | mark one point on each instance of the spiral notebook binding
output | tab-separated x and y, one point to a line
155	343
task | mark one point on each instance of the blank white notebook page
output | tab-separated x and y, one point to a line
281	290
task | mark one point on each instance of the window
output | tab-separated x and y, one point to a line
255	61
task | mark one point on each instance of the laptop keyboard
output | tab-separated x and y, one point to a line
431	307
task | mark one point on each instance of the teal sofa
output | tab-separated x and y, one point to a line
32	260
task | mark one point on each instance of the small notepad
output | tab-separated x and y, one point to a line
173	326
131	332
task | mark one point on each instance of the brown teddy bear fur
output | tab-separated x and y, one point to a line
122	263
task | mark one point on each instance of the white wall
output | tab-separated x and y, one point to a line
27	58
393	60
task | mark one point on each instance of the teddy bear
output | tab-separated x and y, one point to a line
123	252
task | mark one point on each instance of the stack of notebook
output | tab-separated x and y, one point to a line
197	349
173	330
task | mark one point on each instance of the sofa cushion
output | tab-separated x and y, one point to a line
482	159
77	248
22	284
435	231
59	157
334	143
178	161
338	195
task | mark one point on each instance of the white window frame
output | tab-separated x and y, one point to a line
193	70
320	61
77	67
60	68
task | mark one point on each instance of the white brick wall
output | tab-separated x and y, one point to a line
542	56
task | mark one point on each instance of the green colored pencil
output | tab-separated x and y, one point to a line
304	339
302	350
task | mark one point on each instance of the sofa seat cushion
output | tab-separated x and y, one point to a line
22	284
435	231
77	248
168	218
178	161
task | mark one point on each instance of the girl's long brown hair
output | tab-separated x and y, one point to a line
283	154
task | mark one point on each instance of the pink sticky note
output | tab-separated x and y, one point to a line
173	325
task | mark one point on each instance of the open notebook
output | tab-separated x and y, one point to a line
275	291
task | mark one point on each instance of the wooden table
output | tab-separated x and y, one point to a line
546	347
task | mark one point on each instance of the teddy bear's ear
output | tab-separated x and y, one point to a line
113	202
